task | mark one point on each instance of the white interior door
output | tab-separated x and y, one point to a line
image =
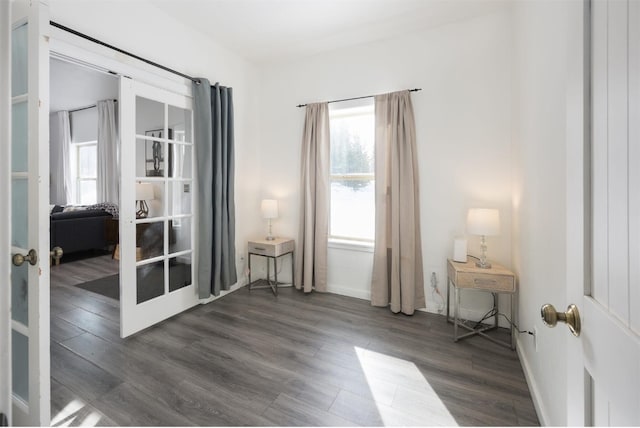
5	218
156	247
28	202
604	362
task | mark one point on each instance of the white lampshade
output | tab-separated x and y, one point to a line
269	208
483	221
144	191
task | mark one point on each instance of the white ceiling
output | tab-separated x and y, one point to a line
271	30
74	86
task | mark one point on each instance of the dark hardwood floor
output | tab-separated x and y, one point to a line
250	358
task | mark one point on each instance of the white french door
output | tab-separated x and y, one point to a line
26	204
604	362
5	218
156	246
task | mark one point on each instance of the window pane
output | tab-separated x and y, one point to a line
88	194
19	60
20	364
150	239
150	119
352	169
180	124
353	209
150	281
19	137
352	144
179	235
87	161
179	272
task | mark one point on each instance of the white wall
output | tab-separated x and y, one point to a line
545	35
142	29
463	116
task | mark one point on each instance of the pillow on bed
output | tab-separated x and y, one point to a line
70	208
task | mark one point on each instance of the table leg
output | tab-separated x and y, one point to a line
448	298
495	308
275	275
293	281
269	270
456	305
249	262
513	320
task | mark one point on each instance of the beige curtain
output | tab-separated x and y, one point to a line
398	280
311	251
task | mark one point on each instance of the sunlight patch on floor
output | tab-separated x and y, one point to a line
402	394
71	412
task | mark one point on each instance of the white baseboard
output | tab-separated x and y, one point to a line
533	387
235	287
432	306
349	292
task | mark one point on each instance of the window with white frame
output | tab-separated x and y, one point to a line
84	164
352	173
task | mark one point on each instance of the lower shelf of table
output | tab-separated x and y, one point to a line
264	283
482	330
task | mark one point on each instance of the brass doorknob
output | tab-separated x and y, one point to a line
31	257
571	317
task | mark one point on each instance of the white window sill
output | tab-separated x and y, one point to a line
344	244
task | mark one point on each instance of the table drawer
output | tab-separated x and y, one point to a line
274	248
489	282
263	250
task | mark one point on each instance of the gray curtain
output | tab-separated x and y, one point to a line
213	124
398	280
311	251
60	173
107	183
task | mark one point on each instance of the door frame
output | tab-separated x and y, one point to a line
75	49
5	215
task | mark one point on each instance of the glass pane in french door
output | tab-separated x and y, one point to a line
20	365
179	272
150	281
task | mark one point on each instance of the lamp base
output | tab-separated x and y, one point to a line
270	236
485	265
143	209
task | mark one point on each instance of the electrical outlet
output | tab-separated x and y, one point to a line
535	338
434	280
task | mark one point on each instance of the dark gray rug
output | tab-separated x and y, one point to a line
150	282
108	286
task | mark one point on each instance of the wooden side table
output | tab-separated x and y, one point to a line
272	250
496	280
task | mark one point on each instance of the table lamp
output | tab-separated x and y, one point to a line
269	208
144	193
484	222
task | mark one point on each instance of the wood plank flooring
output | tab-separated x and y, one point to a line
250	358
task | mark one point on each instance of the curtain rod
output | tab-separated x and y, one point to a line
87	107
91	39
358	98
